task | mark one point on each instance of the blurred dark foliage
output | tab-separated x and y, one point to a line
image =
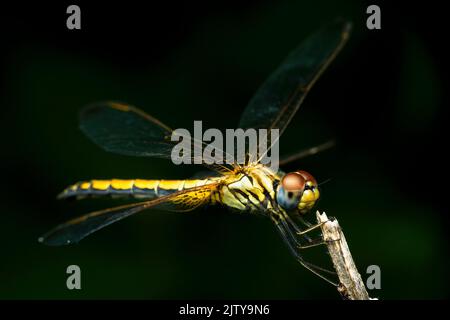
382	100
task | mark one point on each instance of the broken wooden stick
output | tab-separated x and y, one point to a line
351	285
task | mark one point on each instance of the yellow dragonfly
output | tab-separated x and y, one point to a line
252	187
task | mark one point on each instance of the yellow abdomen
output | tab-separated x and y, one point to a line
138	188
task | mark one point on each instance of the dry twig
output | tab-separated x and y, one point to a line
351	284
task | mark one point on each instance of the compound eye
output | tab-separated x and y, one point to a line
293	182
290	191
308	177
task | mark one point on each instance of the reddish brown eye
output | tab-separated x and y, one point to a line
307	176
293	182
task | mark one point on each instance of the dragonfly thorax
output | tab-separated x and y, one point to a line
252	188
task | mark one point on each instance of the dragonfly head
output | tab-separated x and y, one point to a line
297	190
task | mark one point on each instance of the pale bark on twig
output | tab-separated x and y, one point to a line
351	284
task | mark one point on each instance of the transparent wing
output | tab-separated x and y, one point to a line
278	99
127	130
124	129
285	160
76	229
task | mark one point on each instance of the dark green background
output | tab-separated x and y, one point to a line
382	100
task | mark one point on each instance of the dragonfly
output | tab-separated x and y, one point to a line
251	188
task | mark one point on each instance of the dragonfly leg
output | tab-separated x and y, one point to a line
300	232
313	227
305	223
292	234
317	268
313	243
290	241
297	230
288	223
